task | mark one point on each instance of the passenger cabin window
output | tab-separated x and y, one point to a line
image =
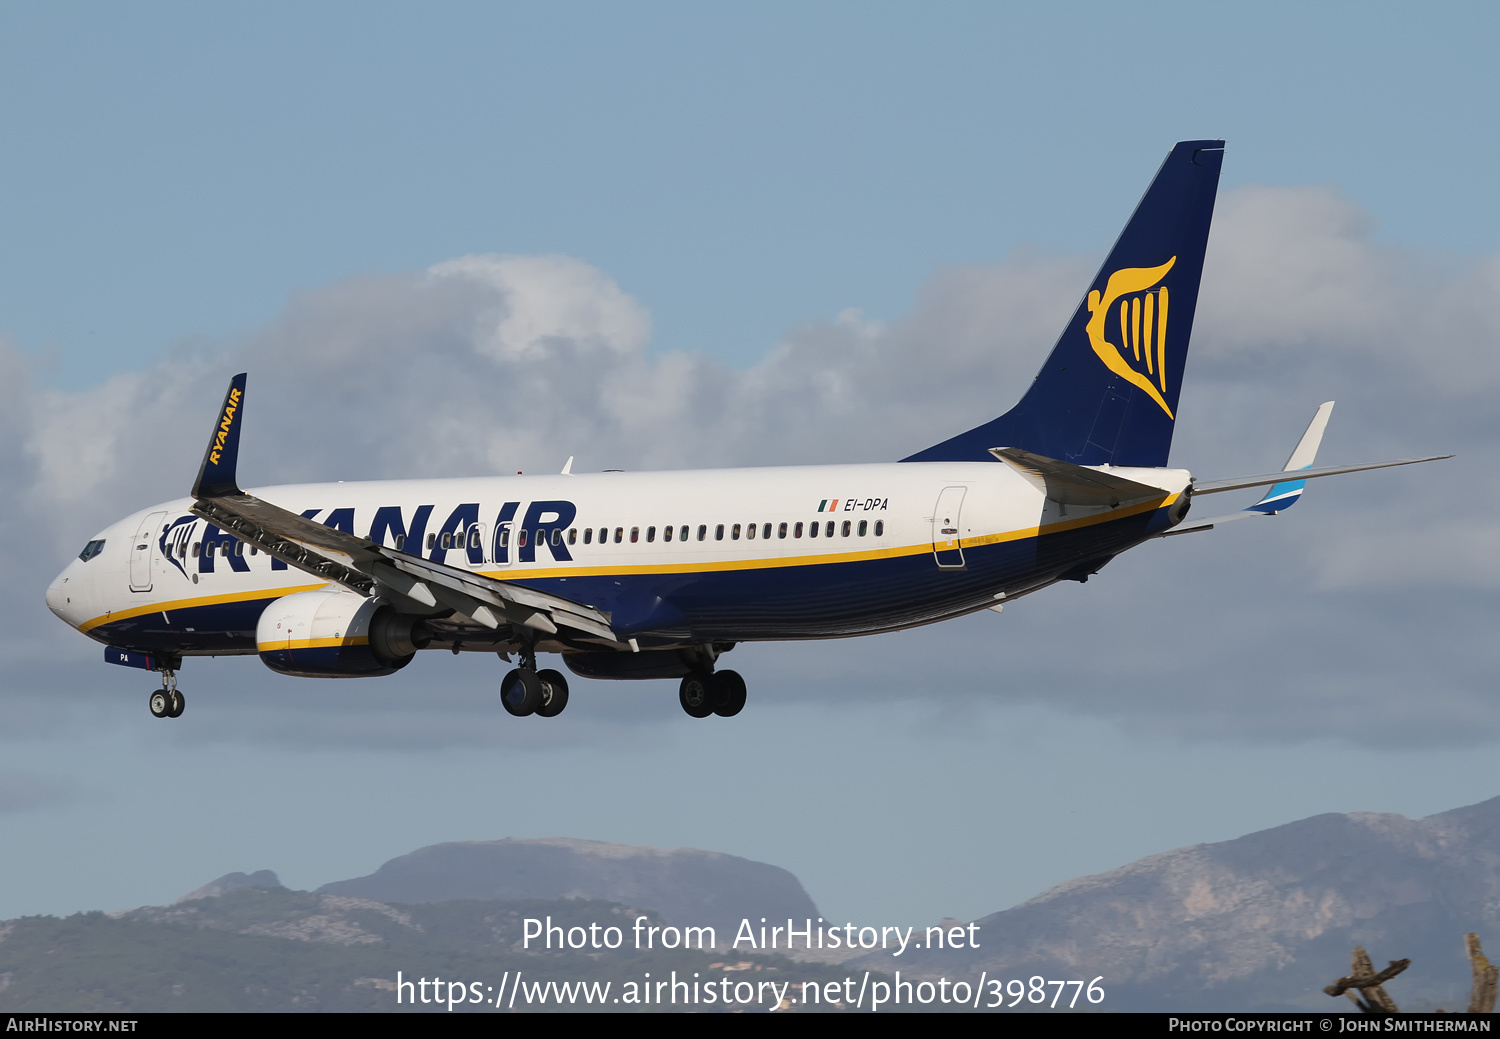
650	535
864	525
666	533
702	531
619	534
684	533
635	535
829	531
750	531
588	535
572	535
521	538
735	534
845	529
766	530
797	531
879	527
431	542
812	530
400	542
556	536
719	532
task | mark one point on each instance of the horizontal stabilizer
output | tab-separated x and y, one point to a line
1070	484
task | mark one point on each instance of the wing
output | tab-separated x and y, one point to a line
406	580
1286	486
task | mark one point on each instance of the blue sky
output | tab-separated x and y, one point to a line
792	195
175	170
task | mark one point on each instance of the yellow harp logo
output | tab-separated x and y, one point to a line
1142	316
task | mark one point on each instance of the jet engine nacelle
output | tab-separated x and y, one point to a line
331	633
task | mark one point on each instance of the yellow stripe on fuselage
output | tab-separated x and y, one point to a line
187	604
768	563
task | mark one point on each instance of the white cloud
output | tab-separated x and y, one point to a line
541	300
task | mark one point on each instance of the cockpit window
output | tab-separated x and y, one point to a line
92	549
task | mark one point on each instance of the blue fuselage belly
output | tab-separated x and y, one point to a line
199	630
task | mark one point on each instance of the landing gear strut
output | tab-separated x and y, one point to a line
529	691
719	692
167	702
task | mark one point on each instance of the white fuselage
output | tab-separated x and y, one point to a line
675	557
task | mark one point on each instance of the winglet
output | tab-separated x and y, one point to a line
216	477
1284	495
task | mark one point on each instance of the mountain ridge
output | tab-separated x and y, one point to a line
1259	922
1266	919
686	886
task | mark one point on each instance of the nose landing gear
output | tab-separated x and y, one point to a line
167	702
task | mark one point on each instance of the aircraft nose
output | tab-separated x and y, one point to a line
60	597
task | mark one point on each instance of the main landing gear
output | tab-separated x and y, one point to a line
719	692
529	691
167	702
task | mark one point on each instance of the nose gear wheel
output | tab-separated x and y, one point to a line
167	702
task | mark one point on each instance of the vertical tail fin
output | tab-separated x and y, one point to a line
1108	392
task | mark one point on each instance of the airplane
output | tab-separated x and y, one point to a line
657	575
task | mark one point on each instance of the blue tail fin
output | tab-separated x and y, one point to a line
1108	393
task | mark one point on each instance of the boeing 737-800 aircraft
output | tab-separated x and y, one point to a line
657	575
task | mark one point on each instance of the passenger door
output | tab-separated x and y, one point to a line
140	552
947	546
